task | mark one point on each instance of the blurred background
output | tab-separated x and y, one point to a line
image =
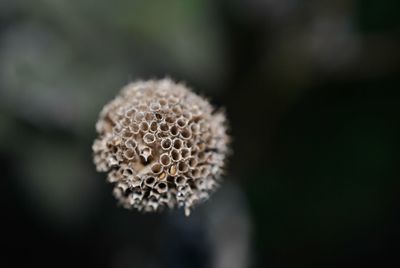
311	89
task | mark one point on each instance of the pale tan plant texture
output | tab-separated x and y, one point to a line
162	145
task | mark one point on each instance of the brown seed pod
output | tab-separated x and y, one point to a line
162	145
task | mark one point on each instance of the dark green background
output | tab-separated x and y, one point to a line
312	92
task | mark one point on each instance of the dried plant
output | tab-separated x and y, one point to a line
162	146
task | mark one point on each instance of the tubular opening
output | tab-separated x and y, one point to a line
183	167
164	127
153	126
149	116
154	106
139	116
162	187
149	138
181	122
177	144
156	168
144	126
165	160
170	120
175	155
180	180
134	127
192	162
186	133
150	181
166	144
131	144
174	131
185	153
129	153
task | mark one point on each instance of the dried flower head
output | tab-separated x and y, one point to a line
162	146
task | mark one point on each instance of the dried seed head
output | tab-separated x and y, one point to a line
162	145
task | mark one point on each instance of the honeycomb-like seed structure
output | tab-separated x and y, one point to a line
162	145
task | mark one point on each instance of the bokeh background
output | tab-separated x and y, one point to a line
312	91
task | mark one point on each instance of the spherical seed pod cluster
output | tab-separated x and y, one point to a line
162	146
